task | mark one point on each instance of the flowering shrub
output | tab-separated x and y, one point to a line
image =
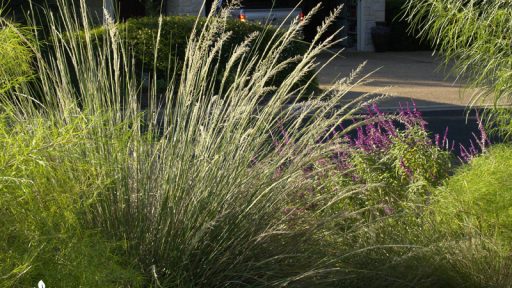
477	145
390	164
391	158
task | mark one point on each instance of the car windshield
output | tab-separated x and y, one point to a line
266	4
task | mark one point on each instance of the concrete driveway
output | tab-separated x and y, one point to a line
407	75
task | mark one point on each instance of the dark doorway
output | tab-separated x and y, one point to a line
131	9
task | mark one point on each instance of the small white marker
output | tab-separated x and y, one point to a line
41	284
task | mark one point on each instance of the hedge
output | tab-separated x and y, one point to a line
140	34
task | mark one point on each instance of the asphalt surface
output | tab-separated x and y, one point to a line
411	76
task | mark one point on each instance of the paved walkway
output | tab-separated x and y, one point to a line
407	75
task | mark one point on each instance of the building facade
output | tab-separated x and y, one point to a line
358	17
184	7
369	13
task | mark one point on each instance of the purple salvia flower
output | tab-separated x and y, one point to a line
377	110
359	141
437	140
472	148
464	154
417	113
390	128
445	138
423	123
484	140
348	139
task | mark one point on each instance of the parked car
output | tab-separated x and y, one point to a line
268	12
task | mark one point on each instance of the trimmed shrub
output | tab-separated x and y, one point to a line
140	35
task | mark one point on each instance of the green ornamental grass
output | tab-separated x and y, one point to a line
478	197
15	57
474	38
189	192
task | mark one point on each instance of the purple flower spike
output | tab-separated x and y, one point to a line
377	110
464	154
415	110
445	138
484	139
437	139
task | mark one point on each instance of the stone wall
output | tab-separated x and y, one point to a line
96	9
373	11
184	7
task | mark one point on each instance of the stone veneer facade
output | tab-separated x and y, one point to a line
184	7
370	11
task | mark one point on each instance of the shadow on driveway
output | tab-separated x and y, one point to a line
404	76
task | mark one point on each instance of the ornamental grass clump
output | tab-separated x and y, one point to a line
15	57
472	209
474	38
474	33
188	187
46	186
